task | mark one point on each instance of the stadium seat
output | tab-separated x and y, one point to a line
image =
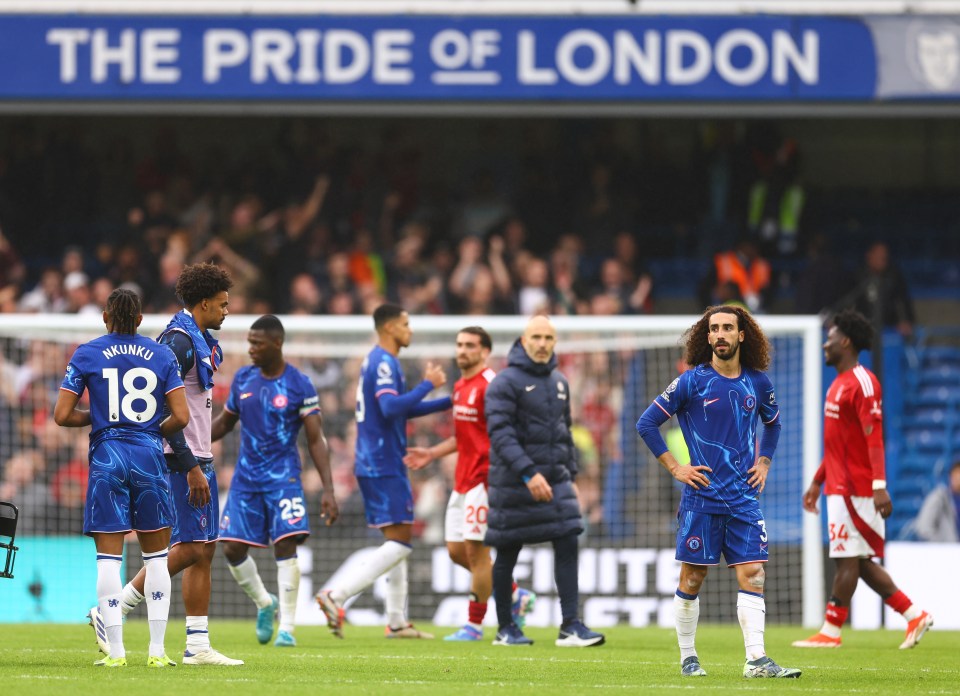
8	531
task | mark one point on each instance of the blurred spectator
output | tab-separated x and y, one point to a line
12	273
820	282
744	267
337	287
939	516
305	297
776	197
22	484
79	296
629	297
881	293
69	487
47	296
533	297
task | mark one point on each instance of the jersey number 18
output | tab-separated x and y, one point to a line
131	394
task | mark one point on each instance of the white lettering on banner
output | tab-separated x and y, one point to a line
158	56
270	56
336	68
615	578
158	52
628	54
223	48
687	58
390	52
583	58
452	51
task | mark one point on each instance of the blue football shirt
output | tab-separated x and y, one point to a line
381	441
271	412
128	377
719	417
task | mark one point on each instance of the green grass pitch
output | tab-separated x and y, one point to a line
58	659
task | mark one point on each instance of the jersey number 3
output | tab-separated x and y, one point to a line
131	394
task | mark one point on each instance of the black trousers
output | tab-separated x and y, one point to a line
565	567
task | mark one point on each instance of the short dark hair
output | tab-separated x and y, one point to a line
856	327
200	282
270	324
386	312
480	333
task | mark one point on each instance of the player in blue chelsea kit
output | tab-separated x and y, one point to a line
383	407
271	399
719	404
129	378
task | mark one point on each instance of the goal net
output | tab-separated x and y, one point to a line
615	365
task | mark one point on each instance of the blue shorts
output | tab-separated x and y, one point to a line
703	536
194	523
386	500
262	518
127	489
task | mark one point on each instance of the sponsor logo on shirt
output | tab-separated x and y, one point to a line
707	402
245	395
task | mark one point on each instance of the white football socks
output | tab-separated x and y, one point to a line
288	585
396	599
686	615
246	575
129	598
378	562
108	599
751	610
156	589
198	635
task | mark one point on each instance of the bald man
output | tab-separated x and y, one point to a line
533	464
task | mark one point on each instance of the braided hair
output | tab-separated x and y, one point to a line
123	310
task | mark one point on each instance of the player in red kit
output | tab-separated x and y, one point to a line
854	481
466	520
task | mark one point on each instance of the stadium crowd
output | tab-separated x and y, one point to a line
307	223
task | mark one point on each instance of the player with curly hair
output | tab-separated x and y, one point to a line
720	402
853	476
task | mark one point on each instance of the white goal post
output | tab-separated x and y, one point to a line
616	365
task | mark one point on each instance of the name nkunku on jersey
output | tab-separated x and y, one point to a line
719	417
271	412
129	377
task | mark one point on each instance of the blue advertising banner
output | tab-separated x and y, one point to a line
385	58
54	581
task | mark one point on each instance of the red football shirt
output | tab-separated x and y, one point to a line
470	429
853	405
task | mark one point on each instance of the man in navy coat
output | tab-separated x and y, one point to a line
533	463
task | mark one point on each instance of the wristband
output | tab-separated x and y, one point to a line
879	485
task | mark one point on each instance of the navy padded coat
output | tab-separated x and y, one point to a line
528	420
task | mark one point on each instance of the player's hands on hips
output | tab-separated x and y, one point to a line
758	474
329	510
540	489
810	498
199	488
435	374
692	475
882	502
417	457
